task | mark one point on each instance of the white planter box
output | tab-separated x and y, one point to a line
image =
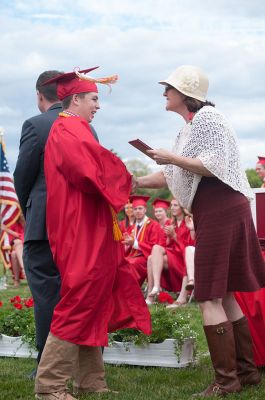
14	347
153	354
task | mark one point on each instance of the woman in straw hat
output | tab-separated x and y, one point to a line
204	173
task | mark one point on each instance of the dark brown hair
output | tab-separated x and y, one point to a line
194	105
48	91
67	100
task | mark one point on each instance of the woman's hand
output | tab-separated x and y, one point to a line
135	183
189	223
161	156
170	231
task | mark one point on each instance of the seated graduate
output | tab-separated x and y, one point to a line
129	218
141	237
166	265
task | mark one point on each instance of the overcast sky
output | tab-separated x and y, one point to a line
142	41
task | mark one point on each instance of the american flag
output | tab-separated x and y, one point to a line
9	205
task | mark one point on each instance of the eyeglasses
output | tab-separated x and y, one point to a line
168	87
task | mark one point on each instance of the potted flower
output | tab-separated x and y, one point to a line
171	344
17	328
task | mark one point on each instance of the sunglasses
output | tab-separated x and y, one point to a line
168	87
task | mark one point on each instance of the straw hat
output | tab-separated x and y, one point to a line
190	81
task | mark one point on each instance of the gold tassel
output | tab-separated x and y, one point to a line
117	234
108	80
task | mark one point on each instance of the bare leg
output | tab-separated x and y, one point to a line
158	253
182	297
213	312
183	294
189	260
231	307
15	268
18	248
150	280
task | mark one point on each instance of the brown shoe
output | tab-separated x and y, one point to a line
78	391
220	339
54	396
246	368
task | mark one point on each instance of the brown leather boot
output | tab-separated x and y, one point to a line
220	339
247	371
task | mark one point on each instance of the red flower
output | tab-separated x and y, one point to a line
164	297
29	302
1	303
16	299
18	306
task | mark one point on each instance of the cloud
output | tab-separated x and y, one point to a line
142	41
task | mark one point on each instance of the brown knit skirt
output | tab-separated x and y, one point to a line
228	256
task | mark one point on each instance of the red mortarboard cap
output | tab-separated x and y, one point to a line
161	203
71	83
261	160
139	200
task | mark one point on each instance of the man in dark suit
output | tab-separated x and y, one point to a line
42	274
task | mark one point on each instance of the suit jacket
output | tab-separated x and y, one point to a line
29	176
29	172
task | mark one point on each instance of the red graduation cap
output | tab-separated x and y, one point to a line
161	203
77	82
139	200
261	160
70	83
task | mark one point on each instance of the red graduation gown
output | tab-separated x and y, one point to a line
253	306
149	235
98	293
171	278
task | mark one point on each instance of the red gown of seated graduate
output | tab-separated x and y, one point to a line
19	229
171	278
253	306
124	225
147	236
99	293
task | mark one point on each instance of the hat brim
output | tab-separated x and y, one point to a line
197	97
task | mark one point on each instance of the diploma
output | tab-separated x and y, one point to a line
143	147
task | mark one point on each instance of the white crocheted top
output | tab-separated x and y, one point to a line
212	140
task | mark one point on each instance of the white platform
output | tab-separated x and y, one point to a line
153	355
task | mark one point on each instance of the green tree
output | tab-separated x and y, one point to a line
138	168
253	178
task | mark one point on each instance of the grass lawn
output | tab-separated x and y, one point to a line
133	383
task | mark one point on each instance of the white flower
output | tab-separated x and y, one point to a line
188	82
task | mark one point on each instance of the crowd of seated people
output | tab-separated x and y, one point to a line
160	249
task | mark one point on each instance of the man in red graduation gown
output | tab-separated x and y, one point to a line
141	237
86	186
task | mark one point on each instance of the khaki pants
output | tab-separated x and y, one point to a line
62	360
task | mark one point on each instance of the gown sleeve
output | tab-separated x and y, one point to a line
87	165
